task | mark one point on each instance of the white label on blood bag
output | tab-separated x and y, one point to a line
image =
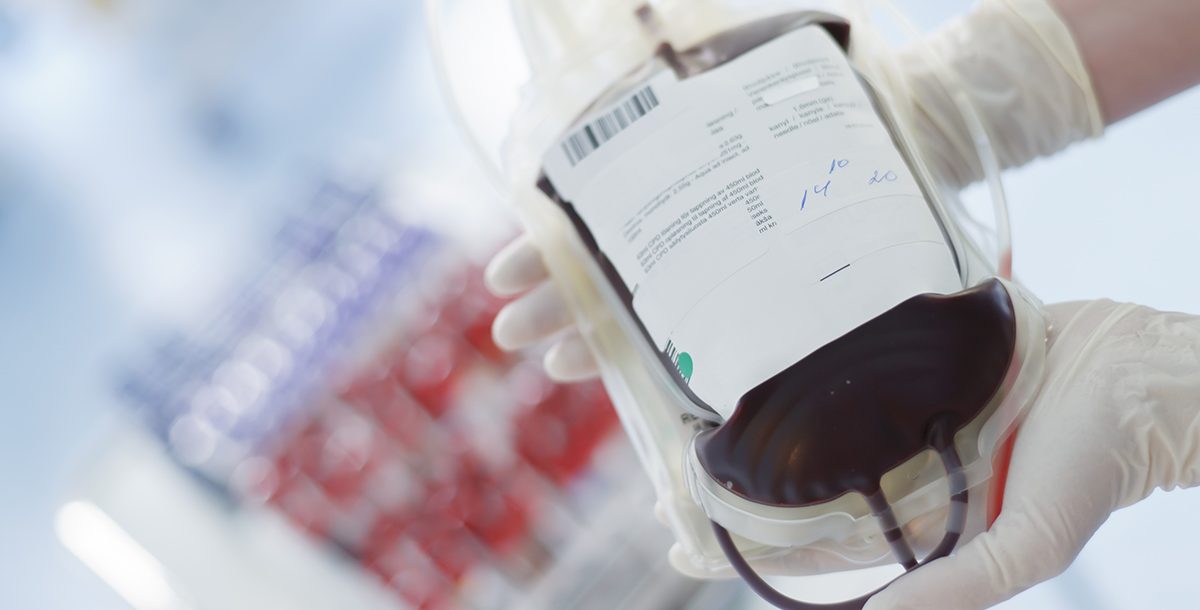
755	212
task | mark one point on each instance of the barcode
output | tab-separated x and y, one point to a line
600	130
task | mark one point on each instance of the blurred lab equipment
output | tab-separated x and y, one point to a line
352	387
326	421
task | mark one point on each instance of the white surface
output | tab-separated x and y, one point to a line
115	557
214	554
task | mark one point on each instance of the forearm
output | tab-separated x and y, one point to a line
1137	52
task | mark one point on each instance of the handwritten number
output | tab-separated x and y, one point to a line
823	189
888	176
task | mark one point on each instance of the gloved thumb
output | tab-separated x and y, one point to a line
1019	551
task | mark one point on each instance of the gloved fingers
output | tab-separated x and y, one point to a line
515	269
1058	493
1085	448
825	556
571	359
1017	553
802	562
679	560
532	318
660	514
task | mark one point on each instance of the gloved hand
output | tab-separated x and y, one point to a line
1118	416
1015	61
539	314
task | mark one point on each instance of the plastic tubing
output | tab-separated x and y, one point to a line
941	438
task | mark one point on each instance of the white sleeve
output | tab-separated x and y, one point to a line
1019	66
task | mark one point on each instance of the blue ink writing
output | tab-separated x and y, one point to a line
889	176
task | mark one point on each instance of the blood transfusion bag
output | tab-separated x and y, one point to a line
801	337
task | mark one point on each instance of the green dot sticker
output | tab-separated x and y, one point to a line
683	362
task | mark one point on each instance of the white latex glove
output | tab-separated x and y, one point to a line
1118	417
1014	59
538	315
1017	63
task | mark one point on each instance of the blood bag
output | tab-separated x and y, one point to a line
807	347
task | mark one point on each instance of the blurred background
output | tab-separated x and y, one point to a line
245	358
